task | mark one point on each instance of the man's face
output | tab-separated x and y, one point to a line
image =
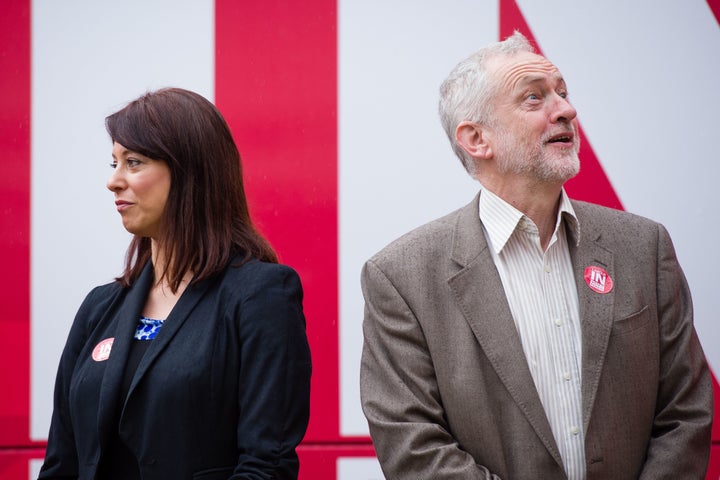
534	127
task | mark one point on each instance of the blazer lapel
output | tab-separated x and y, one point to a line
595	308
179	314
126	316
479	292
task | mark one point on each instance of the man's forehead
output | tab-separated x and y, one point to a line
523	68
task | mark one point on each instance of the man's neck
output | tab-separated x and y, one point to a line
538	201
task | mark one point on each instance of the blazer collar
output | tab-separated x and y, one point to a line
127	313
179	314
478	291
126	318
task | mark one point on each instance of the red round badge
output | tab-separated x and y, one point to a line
598	279
101	352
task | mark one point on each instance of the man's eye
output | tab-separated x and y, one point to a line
533	96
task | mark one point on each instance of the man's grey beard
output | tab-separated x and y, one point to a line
536	161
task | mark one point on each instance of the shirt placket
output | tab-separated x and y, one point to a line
562	338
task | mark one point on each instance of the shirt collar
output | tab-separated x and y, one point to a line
501	219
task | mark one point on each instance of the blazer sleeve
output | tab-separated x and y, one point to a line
400	395
681	434
274	383
61	458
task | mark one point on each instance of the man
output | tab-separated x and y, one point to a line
528	336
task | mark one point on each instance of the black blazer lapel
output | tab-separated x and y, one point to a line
479	292
126	317
180	312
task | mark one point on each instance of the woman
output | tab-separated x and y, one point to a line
194	363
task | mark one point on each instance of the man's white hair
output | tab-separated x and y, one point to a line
467	92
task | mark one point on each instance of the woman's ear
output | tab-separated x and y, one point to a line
471	137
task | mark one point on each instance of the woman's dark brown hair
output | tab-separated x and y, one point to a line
206	220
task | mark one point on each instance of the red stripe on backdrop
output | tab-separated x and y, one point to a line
591	184
319	462
276	84
14	462
15	223
716	422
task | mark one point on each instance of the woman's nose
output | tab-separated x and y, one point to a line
116	181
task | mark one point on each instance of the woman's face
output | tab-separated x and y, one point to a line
141	186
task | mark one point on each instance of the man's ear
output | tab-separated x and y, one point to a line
471	137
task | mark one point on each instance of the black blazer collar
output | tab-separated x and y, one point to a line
126	316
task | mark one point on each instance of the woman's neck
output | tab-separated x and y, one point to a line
162	298
163	271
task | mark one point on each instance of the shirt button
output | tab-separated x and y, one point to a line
548	268
574	430
566	376
558	322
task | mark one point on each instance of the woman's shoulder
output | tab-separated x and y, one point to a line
257	268
253	275
102	294
96	303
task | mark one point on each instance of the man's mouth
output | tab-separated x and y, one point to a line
561	138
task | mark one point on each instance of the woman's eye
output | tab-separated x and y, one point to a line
113	164
133	162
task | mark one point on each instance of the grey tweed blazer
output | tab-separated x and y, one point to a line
447	391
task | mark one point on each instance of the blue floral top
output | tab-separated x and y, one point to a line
148	328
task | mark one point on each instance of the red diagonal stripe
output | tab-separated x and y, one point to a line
715	7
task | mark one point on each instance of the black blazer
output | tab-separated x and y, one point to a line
222	392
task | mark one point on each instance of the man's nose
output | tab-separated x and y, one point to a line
564	111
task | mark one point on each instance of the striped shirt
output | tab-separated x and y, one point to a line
540	289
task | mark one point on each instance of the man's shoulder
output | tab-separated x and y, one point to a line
591	212
617	229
